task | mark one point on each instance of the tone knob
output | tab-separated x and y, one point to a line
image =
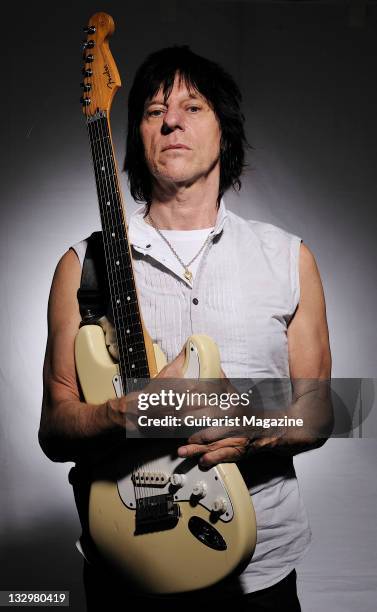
200	489
85	101
220	505
87	72
86	86
88	44
177	480
89	58
89	29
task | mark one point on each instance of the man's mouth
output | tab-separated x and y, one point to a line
175	146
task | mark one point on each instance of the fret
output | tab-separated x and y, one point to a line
121	246
115	241
102	159
101	139
121	262
132	333
110	192
120	285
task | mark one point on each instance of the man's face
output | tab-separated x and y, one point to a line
181	137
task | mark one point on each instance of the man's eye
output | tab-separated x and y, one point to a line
157	112
194	109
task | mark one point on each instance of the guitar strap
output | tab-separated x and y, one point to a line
94	302
93	295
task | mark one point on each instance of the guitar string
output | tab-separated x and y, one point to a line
95	138
115	202
95	142
120	219
133	306
107	195
108	243
106	154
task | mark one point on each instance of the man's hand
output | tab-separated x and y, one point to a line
221	451
225	450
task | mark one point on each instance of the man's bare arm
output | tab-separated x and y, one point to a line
310	366
70	428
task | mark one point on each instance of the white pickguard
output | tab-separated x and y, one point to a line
182	477
168	469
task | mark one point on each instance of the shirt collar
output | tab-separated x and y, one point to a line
141	234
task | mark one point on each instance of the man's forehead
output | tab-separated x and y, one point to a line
180	89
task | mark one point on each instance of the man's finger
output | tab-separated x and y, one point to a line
190	450
221	455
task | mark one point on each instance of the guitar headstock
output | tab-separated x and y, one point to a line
101	76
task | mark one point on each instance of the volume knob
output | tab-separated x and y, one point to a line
200	489
220	505
177	480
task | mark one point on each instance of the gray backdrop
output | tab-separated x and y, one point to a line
308	75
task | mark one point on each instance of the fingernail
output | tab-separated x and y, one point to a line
182	451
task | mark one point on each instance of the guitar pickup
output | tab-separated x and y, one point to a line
156	479
156	513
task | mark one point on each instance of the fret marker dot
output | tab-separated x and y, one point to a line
117	262
108	203
128	298
133	365
103	168
118	301
113	235
128	331
130	350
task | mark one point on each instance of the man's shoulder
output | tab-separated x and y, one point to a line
260	230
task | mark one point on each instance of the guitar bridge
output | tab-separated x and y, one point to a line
156	513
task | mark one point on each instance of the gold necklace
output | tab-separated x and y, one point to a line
187	273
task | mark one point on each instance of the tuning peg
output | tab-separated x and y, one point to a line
90	29
87	72
88	44
85	101
89	58
86	86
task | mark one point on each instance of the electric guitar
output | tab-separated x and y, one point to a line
163	522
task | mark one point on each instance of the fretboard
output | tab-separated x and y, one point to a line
133	363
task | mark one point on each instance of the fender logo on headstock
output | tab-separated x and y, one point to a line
110	81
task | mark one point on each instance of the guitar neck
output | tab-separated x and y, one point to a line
133	358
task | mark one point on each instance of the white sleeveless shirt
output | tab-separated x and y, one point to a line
243	294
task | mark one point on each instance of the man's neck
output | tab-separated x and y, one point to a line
187	209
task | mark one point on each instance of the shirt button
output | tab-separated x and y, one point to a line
195	301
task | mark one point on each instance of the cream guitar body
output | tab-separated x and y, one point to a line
209	536
160	520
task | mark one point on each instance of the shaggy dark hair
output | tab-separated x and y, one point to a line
214	84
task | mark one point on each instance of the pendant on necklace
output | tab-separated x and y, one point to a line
188	275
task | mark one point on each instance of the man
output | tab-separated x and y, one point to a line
201	269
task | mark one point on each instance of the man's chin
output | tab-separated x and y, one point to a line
178	179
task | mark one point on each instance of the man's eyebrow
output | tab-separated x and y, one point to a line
162	101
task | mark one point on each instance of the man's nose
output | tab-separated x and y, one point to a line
173	119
